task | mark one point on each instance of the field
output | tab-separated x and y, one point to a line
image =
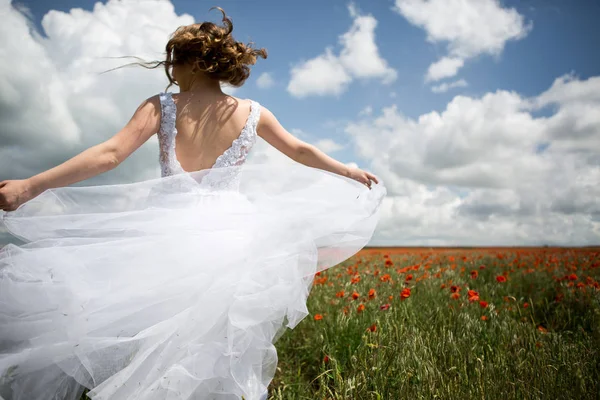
416	323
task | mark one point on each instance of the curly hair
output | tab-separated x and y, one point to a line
211	49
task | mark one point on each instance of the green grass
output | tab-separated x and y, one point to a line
430	346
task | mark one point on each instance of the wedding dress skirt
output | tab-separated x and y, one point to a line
170	288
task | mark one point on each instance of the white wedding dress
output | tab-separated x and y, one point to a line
175	287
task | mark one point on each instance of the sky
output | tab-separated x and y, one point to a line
482	117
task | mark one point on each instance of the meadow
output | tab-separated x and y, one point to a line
448	324
391	324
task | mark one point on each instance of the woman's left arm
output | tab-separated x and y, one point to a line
98	159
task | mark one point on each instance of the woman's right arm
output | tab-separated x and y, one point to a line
277	136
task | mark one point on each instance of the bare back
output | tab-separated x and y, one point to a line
206	128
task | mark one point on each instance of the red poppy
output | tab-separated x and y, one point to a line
340	294
372	328
473	296
384	307
483	304
474	274
501	278
318	317
559	297
405	293
360	308
355	295
455	296
409	277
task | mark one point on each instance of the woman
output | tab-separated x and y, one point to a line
175	287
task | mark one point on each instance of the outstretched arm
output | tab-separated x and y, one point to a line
305	153
95	160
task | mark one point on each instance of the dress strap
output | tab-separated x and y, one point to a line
167	112
254	115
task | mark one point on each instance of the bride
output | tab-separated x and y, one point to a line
175	287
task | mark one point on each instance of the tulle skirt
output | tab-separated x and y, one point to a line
170	288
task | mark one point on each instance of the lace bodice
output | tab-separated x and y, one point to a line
234	156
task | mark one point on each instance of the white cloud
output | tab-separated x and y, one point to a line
475	174
53	98
368	110
444	68
265	80
323	75
330	74
469	27
360	55
444	87
574	126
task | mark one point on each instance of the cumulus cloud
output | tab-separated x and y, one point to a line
265	80
322	75
56	102
444	87
476	172
330	74
444	68
469	27
574	127
368	110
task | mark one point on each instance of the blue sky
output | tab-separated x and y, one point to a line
481	116
565	38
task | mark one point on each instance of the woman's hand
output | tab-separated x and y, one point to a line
362	176
13	193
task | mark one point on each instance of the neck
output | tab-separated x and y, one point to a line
203	85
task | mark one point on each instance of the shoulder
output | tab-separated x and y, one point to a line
244	102
149	105
267	118
152	102
248	104
149	108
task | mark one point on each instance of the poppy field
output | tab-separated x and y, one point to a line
494	323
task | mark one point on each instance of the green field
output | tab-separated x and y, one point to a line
529	328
